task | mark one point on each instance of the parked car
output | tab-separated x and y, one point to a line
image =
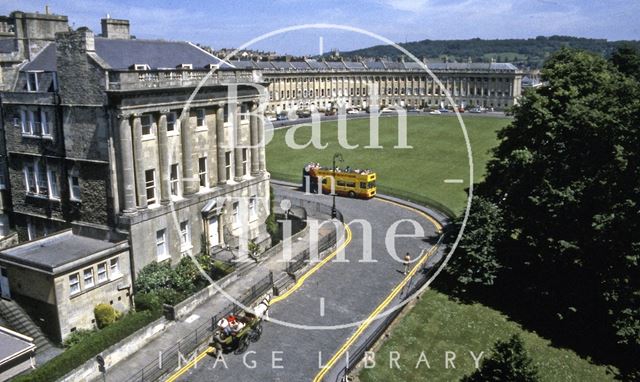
435	112
282	117
443	110
306	113
413	110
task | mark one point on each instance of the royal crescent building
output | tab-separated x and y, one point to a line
320	84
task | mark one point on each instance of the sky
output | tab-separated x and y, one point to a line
230	24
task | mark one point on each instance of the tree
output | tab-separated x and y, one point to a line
566	178
476	262
627	59
509	362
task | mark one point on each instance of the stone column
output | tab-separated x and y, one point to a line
212	173
138	155
237	151
255	140
220	146
262	156
126	158
163	153
188	181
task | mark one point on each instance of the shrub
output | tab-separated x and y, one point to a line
509	362
105	315
76	337
170	296
147	301
88	347
154	276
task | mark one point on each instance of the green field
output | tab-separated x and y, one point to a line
438	324
439	152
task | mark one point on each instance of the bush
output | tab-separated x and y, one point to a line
154	276
170	296
105	315
509	362
147	301
76	337
88	347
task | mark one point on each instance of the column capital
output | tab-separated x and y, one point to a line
136	115
164	111
123	115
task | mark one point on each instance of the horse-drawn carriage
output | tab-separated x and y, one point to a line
236	332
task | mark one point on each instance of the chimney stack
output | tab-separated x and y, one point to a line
115	28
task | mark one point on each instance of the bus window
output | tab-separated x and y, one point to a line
371	184
340	183
363	185
352	185
324	180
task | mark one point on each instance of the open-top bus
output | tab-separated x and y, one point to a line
354	183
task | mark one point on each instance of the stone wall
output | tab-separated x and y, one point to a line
116	353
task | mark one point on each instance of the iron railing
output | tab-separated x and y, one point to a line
179	354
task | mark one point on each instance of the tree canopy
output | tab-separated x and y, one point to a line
560	205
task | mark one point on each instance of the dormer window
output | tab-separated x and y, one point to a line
212	66
32	81
141	67
185	66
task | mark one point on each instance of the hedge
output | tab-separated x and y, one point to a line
89	347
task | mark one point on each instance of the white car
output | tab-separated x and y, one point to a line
435	112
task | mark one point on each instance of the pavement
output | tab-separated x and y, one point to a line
334	302
178	330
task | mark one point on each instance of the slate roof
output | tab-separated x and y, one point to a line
55	251
122	54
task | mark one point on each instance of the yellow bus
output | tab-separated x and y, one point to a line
354	183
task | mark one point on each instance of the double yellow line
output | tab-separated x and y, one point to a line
372	316
316	267
296	286
369	319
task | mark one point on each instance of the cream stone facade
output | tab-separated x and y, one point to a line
320	84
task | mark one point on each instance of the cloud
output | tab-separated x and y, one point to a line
415	6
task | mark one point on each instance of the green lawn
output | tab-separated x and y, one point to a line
438	153
438	324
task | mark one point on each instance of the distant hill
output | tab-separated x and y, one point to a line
522	52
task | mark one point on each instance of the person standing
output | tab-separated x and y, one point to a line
407	260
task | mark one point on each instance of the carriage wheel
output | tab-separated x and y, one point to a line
242	345
255	334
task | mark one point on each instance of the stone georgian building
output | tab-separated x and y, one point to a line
302	84
105	135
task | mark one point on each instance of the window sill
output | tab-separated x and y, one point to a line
44	136
201	129
75	200
173	133
163	258
148	138
43	197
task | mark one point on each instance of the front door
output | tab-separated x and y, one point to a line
4	284
214	238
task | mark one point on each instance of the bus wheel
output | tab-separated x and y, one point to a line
352	194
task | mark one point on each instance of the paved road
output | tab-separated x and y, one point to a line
351	291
